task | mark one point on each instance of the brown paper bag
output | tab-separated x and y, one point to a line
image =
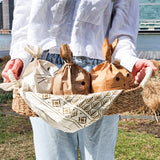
71	78
107	76
129	80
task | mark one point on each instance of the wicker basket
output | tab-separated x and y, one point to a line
20	107
128	100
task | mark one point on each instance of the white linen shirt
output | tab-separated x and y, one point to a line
83	24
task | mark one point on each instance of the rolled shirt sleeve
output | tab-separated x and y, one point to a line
31	25
125	26
19	31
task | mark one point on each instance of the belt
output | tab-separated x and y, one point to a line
55	58
45	54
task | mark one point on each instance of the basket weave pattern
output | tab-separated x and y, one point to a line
128	100
20	107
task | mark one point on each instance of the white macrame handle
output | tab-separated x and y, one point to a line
148	75
14	84
13	79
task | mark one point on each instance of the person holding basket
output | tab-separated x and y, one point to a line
83	24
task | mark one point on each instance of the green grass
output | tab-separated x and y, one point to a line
137	146
5	97
16	138
16	141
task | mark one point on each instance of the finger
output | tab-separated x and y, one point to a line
151	64
137	75
6	80
5	77
138	78
17	68
146	63
8	66
143	63
140	75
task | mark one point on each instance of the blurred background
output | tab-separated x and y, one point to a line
148	42
139	132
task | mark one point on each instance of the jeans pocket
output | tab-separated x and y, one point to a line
90	11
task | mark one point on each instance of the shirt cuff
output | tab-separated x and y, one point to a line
128	62
125	52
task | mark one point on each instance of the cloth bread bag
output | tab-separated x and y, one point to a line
38	75
107	76
71	78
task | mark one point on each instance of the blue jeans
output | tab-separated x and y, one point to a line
96	142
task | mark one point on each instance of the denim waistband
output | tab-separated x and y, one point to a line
56	59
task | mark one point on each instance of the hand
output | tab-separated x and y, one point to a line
16	66
139	69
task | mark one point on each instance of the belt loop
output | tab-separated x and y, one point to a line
45	54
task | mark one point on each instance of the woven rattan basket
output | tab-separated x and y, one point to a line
20	106
128	100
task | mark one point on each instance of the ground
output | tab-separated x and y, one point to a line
136	137
145	126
